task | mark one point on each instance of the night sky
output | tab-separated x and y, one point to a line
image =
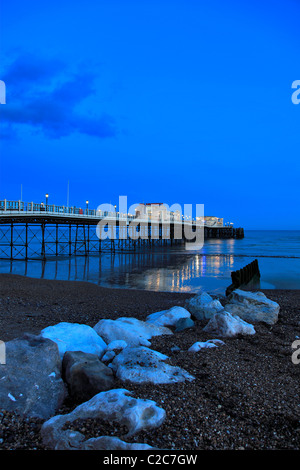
184	102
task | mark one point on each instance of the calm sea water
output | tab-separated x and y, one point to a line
278	254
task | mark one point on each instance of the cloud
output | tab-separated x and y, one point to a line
27	68
44	95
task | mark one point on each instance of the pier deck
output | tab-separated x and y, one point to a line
32	231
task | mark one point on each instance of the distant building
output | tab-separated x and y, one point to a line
156	211
211	221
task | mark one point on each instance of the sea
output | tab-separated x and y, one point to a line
175	269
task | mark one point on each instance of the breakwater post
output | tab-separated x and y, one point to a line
244	276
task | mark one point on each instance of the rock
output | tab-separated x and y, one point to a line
108	356
85	375
113	405
115	345
112	443
141	365
135	332
31	382
203	306
75	337
168	317
211	343
113	348
253	307
225	324
183	324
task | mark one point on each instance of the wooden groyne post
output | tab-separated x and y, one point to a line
243	276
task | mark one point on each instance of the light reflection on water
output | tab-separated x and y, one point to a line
174	269
150	271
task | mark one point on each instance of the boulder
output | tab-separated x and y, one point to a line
253	307
183	324
142	365
114	405
203	306
135	332
85	375
75	337
225	324
168	317
31	382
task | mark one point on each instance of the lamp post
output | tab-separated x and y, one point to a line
87	206
46	196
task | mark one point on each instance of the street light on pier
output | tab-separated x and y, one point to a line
46	196
87	206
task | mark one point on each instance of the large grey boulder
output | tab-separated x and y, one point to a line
114	405
30	381
142	365
253	307
85	375
227	325
203	306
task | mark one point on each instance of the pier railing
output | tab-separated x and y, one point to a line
30	208
30	230
12	207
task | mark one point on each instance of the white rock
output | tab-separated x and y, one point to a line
108	356
211	343
253	307
225	324
201	345
112	443
113	405
141	365
117	344
75	337
203	306
168	317
135	332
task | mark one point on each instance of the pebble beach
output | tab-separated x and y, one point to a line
245	395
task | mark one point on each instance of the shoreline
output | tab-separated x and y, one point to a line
29	304
245	394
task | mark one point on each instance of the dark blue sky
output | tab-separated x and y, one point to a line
162	101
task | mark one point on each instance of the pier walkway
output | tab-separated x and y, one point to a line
31	231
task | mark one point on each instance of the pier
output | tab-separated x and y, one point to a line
40	231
